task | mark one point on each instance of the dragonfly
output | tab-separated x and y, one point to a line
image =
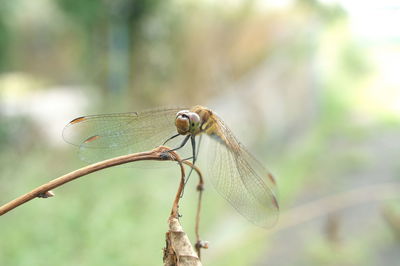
235	173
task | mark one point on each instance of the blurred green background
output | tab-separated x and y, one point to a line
311	87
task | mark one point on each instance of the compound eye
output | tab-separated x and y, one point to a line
182	112
182	124
194	118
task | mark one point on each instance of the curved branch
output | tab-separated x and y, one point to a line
200	188
179	250
161	153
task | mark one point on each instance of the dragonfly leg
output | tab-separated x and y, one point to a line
198	146
195	153
182	144
174	136
193	141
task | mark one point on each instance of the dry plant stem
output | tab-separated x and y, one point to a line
200	188
179	251
199	245
175	205
161	153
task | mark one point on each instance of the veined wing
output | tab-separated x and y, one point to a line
101	137
242	180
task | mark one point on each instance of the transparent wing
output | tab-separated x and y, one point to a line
101	137
242	180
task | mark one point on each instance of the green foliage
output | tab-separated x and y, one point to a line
88	13
4	44
93	13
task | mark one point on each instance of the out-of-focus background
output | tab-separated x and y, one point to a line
311	87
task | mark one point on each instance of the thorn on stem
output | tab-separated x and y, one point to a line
47	194
200	187
202	244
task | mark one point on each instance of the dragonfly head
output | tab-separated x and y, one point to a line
187	122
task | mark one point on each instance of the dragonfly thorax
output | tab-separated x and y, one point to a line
187	122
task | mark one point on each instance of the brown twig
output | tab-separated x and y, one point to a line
161	153
200	188
199	243
175	206
179	251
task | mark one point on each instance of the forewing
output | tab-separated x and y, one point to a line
242	180
106	136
